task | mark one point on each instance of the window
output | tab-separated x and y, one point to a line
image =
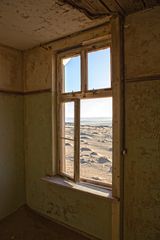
85	115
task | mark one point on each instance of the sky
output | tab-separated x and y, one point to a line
98	77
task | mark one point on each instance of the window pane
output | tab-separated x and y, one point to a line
72	74
69	120
99	75
68	138
68	167
96	140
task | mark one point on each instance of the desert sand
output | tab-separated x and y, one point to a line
95	152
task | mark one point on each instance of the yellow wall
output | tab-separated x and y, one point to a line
12	180
142	127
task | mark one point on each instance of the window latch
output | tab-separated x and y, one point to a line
124	152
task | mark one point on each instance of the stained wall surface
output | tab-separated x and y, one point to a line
11	133
10	69
142	126
83	211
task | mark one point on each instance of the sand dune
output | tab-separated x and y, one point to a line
95	152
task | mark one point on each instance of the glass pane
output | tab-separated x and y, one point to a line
99	75
69	120
96	140
68	167
68	138
72	74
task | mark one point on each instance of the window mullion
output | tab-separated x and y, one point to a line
61	149
77	141
84	82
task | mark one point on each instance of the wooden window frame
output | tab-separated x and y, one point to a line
76	97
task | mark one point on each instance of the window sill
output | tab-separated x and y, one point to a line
83	187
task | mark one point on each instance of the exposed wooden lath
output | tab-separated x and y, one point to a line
99	8
92	8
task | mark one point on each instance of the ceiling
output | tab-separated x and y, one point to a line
28	23
98	8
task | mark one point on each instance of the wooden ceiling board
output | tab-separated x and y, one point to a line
92	8
131	6
113	6
98	8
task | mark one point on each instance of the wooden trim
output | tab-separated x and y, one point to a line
83	71
5	91
25	92
37	91
118	125
103	29
76	50
88	94
94	182
77	141
58	120
115	219
117	106
63	174
69	53
61	133
143	78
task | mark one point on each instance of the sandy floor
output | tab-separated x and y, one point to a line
95	152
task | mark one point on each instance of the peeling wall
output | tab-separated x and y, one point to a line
142	162
37	70
10	69
11	133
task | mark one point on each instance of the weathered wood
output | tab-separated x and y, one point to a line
87	94
117	103
100	8
77	39
117	81
114	6
83	71
92	8
143	78
77	141
59	117
115	219
100	184
131	6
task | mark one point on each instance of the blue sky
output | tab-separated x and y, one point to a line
98	77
